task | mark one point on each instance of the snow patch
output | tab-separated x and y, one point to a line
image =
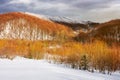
29	69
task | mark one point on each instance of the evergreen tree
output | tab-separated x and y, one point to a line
84	62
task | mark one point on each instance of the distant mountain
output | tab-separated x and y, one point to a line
65	19
24	25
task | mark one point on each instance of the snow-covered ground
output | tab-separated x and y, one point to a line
29	69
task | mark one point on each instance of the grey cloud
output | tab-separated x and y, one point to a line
3	1
83	9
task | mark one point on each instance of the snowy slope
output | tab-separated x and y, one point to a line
28	69
38	15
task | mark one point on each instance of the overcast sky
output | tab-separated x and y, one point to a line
93	10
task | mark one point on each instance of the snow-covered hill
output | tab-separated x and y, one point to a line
65	19
29	69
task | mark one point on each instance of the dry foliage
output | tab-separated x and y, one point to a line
88	56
